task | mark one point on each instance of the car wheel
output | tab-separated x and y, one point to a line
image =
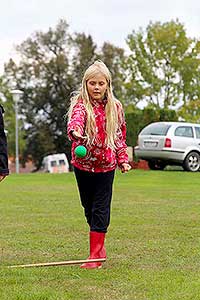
156	165
192	162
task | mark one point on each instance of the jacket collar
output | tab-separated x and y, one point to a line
99	103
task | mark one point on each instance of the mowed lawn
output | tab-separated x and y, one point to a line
153	243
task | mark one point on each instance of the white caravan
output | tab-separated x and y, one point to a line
55	163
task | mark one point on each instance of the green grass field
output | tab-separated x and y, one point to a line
153	243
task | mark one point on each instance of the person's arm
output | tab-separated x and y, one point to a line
76	124
3	149
121	147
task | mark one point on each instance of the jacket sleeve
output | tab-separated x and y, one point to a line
3	147
121	147
77	120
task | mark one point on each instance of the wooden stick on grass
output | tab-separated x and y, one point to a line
60	263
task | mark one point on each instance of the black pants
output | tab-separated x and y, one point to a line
95	191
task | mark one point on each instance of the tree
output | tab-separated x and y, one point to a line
163	66
190	112
43	73
50	68
84	55
113	57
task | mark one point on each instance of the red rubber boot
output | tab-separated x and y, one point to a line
97	249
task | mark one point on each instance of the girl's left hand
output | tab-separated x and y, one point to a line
125	167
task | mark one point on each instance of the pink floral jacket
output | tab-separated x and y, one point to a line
99	158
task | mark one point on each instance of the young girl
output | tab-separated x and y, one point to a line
3	148
96	120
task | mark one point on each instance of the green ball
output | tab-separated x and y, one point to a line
80	151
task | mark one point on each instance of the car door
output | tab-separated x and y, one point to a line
183	137
197	134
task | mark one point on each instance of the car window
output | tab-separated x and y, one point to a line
156	129
185	131
197	131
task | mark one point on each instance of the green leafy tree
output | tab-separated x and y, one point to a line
43	73
163	66
190	112
50	68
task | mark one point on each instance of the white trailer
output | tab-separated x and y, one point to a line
55	163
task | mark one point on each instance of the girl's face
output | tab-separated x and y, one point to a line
97	86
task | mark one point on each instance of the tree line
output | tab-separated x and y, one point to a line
156	79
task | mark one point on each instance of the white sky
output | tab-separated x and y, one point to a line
105	20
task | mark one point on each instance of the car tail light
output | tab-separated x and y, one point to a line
168	143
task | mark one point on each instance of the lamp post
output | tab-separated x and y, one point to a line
16	97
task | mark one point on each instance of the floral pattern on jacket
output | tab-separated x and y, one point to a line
99	158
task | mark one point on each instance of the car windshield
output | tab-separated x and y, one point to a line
155	129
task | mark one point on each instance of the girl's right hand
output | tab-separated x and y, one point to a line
76	134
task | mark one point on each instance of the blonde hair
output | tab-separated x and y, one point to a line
112	121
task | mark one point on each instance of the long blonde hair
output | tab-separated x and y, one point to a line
112	120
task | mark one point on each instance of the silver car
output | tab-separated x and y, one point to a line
170	143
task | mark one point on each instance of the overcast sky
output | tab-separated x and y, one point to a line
105	20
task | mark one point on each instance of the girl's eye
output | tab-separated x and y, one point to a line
101	83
